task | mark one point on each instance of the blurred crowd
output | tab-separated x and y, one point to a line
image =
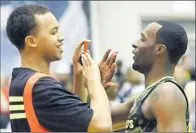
128	83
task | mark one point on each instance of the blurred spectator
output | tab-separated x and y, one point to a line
190	92
4	108
119	73
113	96
183	70
2	79
187	64
192	74
132	85
180	74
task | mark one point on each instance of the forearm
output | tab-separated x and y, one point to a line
78	87
99	102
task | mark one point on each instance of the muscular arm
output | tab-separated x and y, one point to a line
120	113
169	108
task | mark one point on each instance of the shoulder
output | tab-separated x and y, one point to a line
47	87
167	95
169	108
47	83
169	92
57	109
47	80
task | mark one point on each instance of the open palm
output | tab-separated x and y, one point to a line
107	68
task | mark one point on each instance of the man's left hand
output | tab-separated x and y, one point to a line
107	68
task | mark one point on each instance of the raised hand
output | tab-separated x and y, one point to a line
90	69
76	58
107	68
78	79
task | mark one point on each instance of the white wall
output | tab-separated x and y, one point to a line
117	24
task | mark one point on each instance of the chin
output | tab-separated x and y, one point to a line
136	67
59	58
141	68
56	58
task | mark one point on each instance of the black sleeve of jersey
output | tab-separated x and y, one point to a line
59	110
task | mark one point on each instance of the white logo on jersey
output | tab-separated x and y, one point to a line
129	124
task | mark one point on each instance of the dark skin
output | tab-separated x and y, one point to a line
107	67
152	60
170	115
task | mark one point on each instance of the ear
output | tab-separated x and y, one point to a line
30	41
160	49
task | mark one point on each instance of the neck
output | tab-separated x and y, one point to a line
157	72
35	62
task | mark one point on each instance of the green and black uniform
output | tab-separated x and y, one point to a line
137	122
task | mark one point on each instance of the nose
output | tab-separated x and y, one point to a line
134	45
61	38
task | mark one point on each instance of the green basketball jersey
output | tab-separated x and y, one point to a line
136	120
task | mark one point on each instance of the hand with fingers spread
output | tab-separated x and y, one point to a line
107	68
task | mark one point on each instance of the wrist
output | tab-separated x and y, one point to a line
103	82
77	71
93	88
93	84
93	81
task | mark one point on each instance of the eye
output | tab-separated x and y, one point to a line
141	39
53	32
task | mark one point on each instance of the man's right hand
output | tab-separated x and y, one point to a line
76	58
78	80
90	69
100	122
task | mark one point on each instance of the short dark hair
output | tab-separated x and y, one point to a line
174	37
21	22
